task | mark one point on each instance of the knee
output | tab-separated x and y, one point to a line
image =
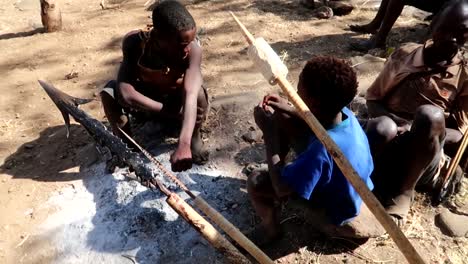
382	129
110	94
429	122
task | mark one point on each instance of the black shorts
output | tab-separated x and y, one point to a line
173	102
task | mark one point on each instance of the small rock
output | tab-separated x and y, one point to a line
340	8
452	224
17	115
323	12
71	75
234	206
250	137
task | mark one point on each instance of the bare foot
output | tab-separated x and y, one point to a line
261	237
399	206
368	28
366	45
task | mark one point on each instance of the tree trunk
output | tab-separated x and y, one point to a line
51	16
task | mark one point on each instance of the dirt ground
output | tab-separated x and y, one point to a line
37	161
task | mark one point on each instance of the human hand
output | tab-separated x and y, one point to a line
181	159
277	103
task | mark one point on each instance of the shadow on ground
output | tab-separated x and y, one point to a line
52	157
300	51
21	34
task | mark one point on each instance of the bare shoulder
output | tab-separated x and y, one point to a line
131	42
196	49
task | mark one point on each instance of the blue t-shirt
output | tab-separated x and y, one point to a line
314	175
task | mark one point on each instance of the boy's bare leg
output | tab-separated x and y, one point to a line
117	119
199	155
262	196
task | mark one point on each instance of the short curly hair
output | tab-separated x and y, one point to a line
171	16
331	82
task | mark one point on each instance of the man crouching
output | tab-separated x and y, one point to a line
326	85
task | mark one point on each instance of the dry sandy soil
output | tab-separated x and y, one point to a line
39	168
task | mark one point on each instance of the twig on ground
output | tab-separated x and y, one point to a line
22	241
287	219
132	258
357	254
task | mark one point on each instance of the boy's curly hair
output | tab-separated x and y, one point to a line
331	82
171	16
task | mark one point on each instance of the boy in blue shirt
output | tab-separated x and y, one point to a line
326	85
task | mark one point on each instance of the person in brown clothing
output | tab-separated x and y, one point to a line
419	109
160	78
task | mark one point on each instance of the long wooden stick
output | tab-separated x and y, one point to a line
345	166
194	219
206	229
456	160
209	211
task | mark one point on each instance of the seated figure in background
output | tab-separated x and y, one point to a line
419	106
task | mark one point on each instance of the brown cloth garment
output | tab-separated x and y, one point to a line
407	83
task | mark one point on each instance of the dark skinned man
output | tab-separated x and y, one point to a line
419	103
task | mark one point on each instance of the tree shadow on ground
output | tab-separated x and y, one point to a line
301	51
21	34
52	157
288	10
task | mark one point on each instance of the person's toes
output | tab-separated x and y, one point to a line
398	220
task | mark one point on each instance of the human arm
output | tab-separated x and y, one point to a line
280	104
181	159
